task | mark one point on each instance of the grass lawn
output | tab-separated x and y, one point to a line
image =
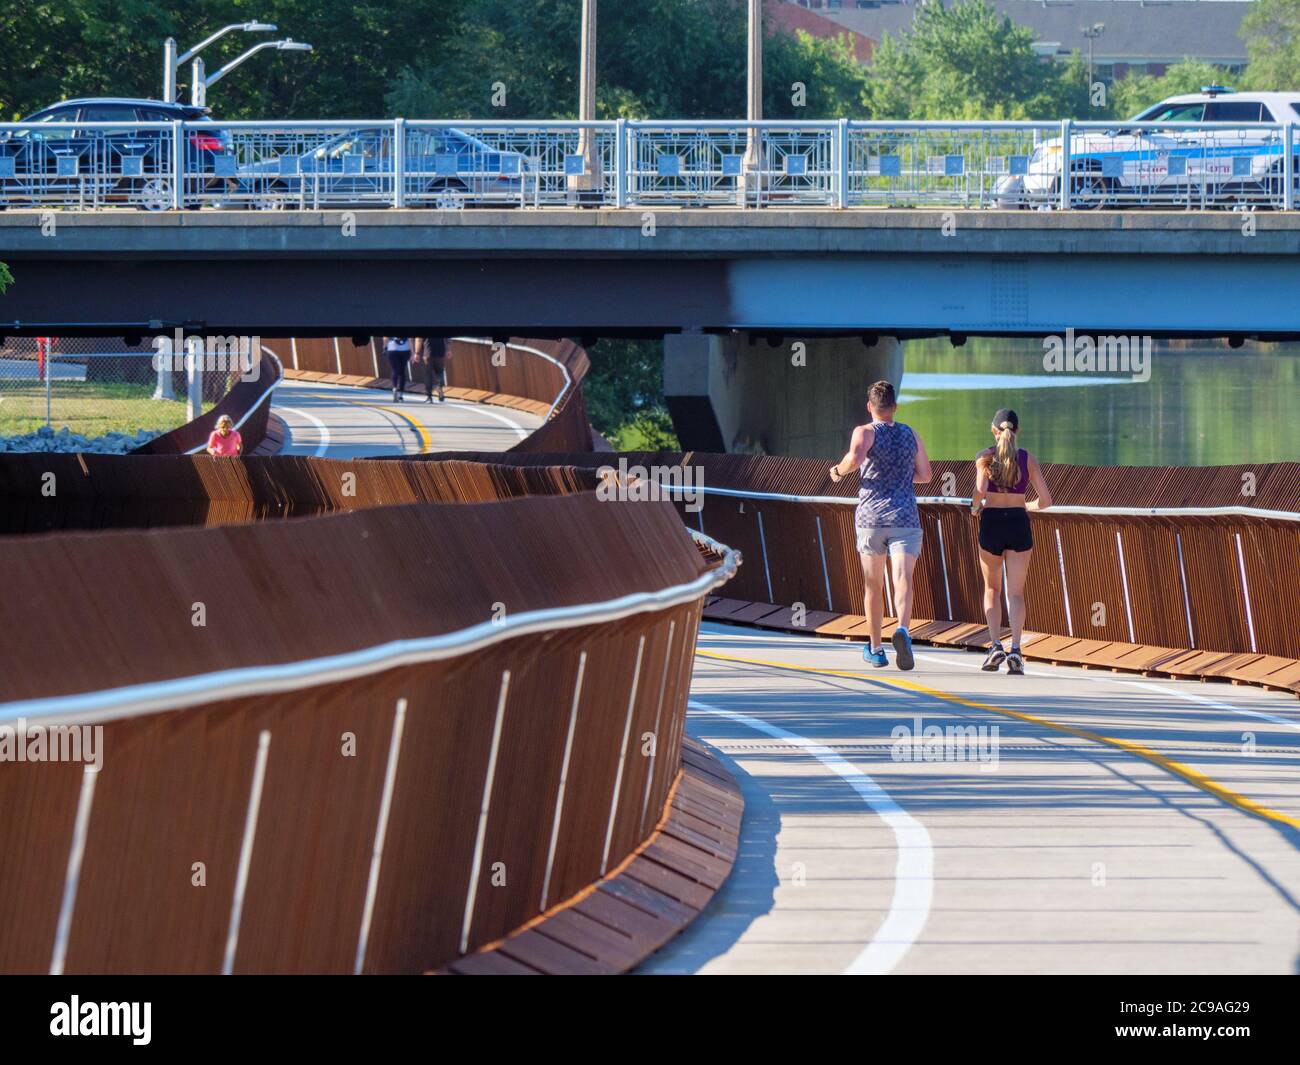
88	408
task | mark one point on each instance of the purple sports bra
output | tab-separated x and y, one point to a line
1022	460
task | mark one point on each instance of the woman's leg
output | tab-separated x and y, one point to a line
903	564
873	573
991	567
1017	571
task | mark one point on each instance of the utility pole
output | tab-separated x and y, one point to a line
1092	33
591	177
750	166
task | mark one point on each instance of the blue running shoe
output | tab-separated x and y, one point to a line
876	658
903	649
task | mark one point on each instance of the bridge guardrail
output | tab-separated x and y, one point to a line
635	163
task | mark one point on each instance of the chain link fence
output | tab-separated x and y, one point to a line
93	393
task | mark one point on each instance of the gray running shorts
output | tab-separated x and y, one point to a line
889	540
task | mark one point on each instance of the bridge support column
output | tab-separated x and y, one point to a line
737	394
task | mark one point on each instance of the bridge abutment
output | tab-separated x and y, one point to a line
736	393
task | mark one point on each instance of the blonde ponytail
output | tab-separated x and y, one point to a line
1004	470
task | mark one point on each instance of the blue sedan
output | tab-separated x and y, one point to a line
443	167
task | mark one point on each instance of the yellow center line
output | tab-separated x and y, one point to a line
425	443
1187	773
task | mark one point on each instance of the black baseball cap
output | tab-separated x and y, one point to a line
1006	414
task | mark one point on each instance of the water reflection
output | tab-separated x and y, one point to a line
1203	405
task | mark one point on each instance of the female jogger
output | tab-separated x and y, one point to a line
1003	474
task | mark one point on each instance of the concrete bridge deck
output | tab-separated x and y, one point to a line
535	273
676	231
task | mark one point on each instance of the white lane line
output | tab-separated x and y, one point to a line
480	408
321	428
1145	685
364	398
913	872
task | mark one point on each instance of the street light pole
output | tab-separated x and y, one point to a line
1092	33
200	84
587	70
591	177
172	62
754	107
169	70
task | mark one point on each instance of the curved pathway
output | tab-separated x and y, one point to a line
342	421
1083	822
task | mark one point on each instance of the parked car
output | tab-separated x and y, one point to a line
442	166
125	164
1153	165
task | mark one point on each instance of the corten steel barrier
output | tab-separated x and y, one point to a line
248	403
387	771
1174	557
51	492
548	372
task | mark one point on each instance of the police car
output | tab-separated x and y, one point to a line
1169	165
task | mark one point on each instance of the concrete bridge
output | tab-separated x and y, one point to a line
848	284
645	271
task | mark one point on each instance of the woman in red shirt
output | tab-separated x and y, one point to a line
225	439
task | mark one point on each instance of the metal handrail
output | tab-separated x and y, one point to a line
568	378
1055	508
643	162
182	692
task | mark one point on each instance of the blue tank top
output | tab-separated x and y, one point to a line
886	495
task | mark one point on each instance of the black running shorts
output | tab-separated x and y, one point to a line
1005	529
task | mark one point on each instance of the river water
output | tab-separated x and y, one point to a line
1202	405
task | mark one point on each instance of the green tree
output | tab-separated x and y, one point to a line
625	395
1271	30
56	49
1134	94
966	62
657	58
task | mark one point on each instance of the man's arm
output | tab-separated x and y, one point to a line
921	472
859	445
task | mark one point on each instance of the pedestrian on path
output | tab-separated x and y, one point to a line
224	441
1003	474
434	352
398	350
890	459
